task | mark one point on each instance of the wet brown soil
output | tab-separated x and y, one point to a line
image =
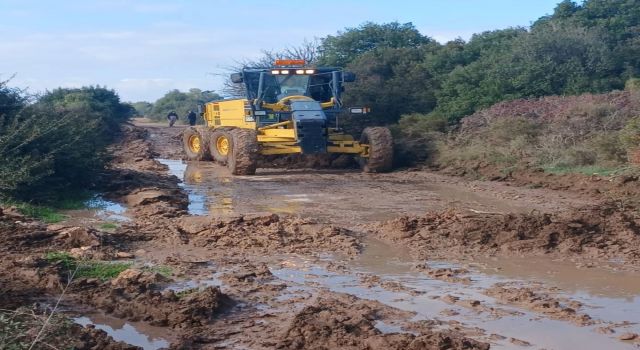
287	259
594	234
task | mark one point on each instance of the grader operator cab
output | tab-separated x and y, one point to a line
288	109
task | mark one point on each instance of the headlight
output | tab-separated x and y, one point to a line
284	72
300	71
275	71
309	71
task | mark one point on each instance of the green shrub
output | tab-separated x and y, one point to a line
632	84
58	142
416	136
630	134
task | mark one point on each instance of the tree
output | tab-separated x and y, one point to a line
143	108
181	102
392	82
347	45
550	60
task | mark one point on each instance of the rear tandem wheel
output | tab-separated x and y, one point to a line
220	145
195	142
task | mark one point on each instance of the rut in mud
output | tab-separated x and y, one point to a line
333	258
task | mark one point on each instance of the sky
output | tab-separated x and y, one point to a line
144	48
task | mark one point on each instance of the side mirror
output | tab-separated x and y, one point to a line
359	110
200	108
236	78
348	77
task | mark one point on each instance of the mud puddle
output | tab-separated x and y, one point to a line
577	279
97	209
345	196
385	274
134	333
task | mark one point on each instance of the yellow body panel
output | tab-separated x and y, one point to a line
235	113
277	138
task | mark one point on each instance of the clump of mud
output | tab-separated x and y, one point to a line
446	274
344	322
540	302
271	234
137	296
598	233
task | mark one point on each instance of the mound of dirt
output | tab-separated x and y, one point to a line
136	296
550	109
598	233
345	322
273	234
563	133
140	181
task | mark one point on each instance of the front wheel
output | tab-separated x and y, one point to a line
195	142
380	143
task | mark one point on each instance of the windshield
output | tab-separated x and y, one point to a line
292	85
276	87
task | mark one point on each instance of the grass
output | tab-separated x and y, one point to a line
103	270
586	170
184	293
107	226
40	212
163	270
49	212
64	258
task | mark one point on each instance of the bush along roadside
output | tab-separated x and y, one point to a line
587	134
55	143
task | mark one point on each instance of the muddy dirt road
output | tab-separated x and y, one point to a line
342	196
337	259
547	302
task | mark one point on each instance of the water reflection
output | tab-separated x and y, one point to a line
212	190
144	336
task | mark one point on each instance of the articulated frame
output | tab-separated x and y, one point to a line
281	138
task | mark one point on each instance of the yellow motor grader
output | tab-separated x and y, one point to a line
289	108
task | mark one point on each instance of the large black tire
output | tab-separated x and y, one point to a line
195	142
380	143
243	156
221	140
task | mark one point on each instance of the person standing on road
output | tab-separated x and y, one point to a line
192	118
172	117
